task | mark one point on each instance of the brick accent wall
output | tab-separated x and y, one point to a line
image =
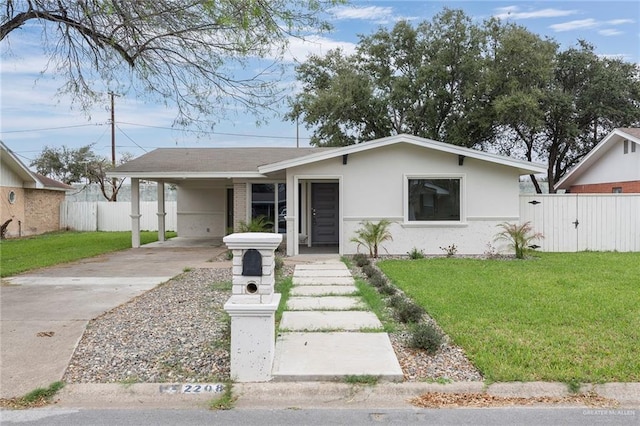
15	211
239	203
629	187
42	211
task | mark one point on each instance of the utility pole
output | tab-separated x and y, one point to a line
114	181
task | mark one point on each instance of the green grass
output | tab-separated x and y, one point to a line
283	286
25	254
36	398
226	401
569	317
376	304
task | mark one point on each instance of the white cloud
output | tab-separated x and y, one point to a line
368	13
610	32
299	49
513	12
620	21
575	25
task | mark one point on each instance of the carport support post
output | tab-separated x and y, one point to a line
135	212
161	211
252	305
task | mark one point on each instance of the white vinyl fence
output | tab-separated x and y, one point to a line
104	216
569	222
577	222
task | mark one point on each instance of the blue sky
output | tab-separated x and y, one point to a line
32	116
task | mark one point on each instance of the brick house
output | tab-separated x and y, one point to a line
30	200
612	166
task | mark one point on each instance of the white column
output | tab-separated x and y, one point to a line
135	212
161	211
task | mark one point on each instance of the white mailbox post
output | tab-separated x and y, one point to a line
252	305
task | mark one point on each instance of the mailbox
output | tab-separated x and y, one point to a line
252	263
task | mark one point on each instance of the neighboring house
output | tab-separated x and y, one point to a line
436	194
612	166
30	200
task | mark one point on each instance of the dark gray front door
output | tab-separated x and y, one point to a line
324	213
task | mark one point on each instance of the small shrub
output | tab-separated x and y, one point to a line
387	290
377	280
425	336
369	270
450	251
229	255
409	312
491	252
415	254
361	259
279	263
396	301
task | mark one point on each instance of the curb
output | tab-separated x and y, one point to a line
318	395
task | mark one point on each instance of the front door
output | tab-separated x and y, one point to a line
324	214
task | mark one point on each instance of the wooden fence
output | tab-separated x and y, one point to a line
578	222
104	216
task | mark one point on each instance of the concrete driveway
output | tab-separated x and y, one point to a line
44	314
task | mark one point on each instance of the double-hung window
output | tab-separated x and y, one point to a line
269	200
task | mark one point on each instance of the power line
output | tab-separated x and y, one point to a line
211	132
128	137
52	128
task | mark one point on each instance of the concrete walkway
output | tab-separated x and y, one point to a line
326	333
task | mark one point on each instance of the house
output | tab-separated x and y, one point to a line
612	166
436	194
29	200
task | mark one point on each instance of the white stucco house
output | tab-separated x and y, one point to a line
612	166
435	194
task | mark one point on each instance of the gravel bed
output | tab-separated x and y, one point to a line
179	332
176	332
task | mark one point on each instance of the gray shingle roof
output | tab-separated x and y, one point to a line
210	160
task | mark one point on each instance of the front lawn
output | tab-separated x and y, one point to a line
555	317
25	254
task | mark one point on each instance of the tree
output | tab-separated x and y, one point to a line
560	115
79	165
185	53
65	164
427	81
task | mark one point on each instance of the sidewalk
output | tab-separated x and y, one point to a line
327	334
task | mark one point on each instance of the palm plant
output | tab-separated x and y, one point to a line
371	235
519	237
257	224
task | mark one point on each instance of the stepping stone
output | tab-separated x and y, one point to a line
329	320
323	290
321	266
322	273
323	280
338	303
332	356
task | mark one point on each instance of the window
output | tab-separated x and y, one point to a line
616	190
625	146
12	197
434	199
270	200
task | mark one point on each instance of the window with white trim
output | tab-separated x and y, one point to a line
433	199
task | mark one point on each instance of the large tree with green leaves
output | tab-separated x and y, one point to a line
79	165
186	53
565	105
493	85
427	81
